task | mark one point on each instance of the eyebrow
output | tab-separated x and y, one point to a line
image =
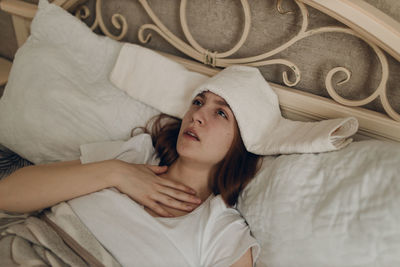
219	102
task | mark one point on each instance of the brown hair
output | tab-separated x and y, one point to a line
228	177
235	171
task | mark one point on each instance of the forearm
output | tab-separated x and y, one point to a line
37	187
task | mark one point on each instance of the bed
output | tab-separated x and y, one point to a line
338	208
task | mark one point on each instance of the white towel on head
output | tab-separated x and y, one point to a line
169	87
263	129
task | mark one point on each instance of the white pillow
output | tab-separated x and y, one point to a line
331	209
134	73
59	96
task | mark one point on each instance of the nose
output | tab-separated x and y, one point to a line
198	116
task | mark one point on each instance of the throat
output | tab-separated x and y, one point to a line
192	175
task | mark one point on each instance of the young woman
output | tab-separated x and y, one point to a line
203	167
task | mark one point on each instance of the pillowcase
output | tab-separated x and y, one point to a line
58	95
330	209
134	73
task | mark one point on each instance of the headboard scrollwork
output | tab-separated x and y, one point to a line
365	23
340	11
223	59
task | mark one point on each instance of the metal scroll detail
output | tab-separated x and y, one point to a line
219	59
117	20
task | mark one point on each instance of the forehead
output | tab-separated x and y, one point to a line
210	96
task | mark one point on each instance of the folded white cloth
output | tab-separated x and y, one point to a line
263	129
169	87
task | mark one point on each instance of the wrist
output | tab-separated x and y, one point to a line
115	170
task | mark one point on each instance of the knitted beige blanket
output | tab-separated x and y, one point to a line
52	238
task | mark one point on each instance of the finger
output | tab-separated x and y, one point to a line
176	185
157	169
159	210
178	195
173	203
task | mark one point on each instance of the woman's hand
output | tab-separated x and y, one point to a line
144	185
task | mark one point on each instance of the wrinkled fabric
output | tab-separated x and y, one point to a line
26	239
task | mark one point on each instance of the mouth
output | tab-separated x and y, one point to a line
191	134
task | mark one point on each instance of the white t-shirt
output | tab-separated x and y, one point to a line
211	235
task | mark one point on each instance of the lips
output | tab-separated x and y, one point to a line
191	134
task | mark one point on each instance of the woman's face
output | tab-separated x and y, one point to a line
207	131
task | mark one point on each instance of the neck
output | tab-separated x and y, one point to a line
191	174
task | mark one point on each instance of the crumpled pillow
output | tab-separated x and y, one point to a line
327	209
59	96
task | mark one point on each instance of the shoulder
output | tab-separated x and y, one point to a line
227	238
217	217
221	213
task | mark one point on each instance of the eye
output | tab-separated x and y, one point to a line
197	102
222	113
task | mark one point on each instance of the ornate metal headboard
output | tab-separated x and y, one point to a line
363	21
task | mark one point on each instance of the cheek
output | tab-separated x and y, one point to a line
223	142
229	140
186	116
228	137
185	121
180	140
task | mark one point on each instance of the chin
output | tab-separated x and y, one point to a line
185	152
195	156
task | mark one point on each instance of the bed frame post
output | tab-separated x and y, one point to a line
22	14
